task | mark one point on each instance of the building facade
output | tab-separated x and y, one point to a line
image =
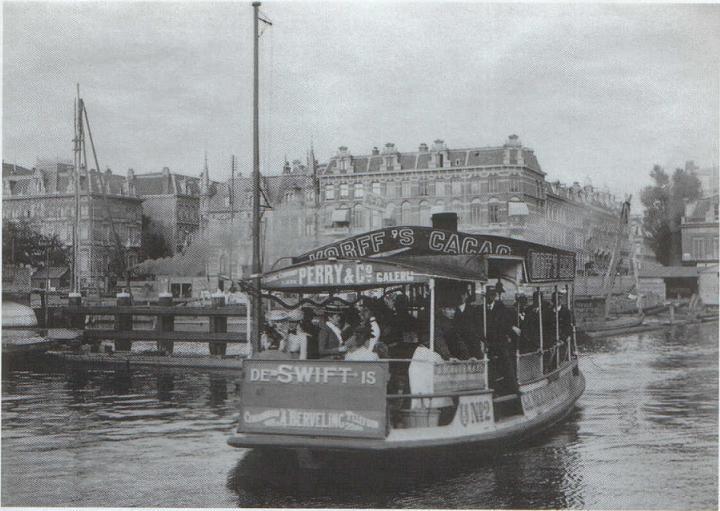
44	197
699	231
172	203
496	190
287	222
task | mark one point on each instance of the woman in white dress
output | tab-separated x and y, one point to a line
297	340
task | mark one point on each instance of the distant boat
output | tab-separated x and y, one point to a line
20	334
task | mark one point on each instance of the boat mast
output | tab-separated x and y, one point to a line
256	304
76	187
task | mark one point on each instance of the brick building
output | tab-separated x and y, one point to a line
499	190
172	202
44	197
699	231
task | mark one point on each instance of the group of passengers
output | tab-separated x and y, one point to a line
386	328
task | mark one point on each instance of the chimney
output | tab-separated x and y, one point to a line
375	151
439	145
446	221
423	148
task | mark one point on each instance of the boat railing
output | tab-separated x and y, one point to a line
533	366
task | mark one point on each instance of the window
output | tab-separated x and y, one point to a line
716	211
342	165
358	219
698	248
715	248
431	188
423	187
515	184
375	219
440	187
405	189
475	212
493	184
475	185
359	191
494	213
405	214
424	213
456	187
376	188
344	190
329	192
448	187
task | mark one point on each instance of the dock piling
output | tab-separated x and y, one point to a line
165	323
123	322
218	324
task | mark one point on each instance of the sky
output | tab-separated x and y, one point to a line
600	92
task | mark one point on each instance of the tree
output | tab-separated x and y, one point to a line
153	245
23	245
664	203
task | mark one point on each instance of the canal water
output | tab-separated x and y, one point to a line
643	436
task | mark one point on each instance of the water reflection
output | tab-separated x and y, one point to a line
644	436
537	474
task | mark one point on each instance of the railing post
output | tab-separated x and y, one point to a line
487	369
218	325
574	342
540	322
672	313
165	323
123	322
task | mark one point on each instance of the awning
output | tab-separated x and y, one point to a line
341	216
369	273
518	209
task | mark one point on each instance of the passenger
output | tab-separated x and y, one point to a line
447	341
402	320
274	330
359	346
367	318
564	316
297	339
310	324
468	324
330	340
499	325
530	327
350	321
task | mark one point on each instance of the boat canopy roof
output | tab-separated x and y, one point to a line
543	263
368	273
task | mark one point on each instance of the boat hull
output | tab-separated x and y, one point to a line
545	402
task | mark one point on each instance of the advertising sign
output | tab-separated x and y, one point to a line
459	376
314	397
547	263
339	273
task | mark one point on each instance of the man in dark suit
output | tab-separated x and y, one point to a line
468	325
499	326
330	341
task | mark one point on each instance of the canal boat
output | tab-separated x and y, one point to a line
336	405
